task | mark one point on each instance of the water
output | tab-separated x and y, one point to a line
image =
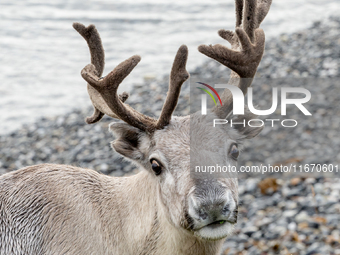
41	55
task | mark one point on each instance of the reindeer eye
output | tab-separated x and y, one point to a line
156	166
234	152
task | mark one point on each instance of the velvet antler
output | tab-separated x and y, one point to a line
247	47
103	92
178	76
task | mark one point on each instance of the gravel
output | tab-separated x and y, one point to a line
277	215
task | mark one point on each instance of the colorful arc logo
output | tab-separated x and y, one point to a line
209	93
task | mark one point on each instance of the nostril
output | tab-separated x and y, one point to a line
203	215
226	209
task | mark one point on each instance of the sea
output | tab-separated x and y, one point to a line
41	55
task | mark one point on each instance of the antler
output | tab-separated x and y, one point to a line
247	47
90	34
103	91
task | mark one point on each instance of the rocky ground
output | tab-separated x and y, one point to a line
277	215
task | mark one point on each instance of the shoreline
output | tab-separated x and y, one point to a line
301	54
300	215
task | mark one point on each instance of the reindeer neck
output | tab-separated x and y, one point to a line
146	225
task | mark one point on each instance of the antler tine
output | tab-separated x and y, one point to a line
249	15
249	19
263	9
239	9
177	77
92	37
253	14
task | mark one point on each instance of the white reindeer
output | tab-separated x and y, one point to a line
58	209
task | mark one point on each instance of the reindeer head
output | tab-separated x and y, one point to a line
165	147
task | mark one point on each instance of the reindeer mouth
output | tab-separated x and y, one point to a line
216	224
216	230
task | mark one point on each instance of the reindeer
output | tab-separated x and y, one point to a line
58	209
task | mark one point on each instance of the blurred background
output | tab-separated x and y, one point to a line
42	55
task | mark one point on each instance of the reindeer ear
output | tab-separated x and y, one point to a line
128	140
244	129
